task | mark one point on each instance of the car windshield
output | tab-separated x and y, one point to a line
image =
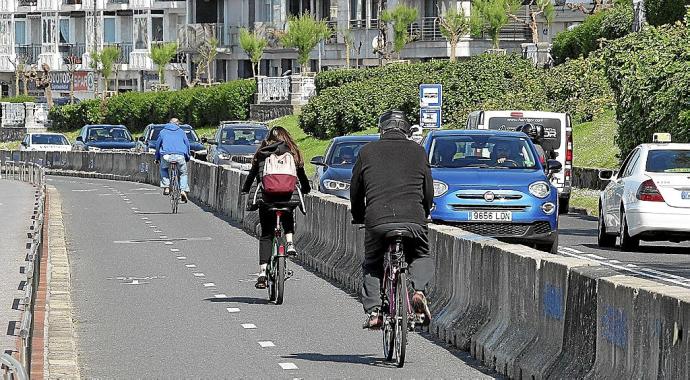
242	136
481	151
668	161
49	140
105	133
191	134
345	154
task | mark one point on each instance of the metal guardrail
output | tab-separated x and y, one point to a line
34	174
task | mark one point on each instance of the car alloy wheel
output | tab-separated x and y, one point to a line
627	242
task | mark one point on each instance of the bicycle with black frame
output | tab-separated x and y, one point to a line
276	271
175	192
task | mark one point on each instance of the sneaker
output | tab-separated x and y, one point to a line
166	191
420	306
374	321
183	197
291	251
261	282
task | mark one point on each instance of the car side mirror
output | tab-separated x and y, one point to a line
554	166
24	143
141	138
318	161
605	174
80	139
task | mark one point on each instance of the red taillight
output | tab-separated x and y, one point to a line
517	115
649	192
569	147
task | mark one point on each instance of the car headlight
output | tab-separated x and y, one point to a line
440	188
540	189
335	185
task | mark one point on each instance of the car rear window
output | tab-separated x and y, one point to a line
191	134
668	161
49	140
552	128
108	133
242	136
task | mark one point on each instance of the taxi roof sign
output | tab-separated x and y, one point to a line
661	138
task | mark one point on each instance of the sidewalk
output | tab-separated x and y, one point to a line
16	207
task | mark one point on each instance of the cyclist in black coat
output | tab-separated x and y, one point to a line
392	189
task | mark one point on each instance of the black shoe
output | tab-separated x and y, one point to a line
291	251
261	282
183	197
166	191
374	321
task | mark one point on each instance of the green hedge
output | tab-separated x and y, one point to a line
660	12
608	24
18	99
199	106
649	73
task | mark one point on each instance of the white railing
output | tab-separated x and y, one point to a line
137	4
49	5
308	89
13	114
140	60
6	65
8	6
273	89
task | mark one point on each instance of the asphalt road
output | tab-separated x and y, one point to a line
662	261
16	207
172	296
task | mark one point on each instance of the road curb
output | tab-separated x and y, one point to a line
60	343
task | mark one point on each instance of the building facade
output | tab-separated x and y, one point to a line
61	33
360	18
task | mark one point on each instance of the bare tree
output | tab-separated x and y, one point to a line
19	65
597	6
535	9
43	82
72	63
207	53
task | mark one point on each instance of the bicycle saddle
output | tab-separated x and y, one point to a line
399	233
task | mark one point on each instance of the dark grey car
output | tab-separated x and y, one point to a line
236	139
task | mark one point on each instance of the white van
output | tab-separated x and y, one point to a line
558	140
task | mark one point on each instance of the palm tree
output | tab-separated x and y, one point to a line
161	55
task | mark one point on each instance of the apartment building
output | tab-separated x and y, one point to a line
39	32
224	18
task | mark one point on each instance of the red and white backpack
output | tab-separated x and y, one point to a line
280	174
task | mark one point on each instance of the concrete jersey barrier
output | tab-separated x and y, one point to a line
524	313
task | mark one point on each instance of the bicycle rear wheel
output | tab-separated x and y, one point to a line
388	312
174	189
271	273
401	318
280	279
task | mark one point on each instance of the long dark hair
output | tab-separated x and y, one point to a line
280	134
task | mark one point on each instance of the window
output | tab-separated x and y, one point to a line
64	31
358	9
345	154
242	136
109	35
668	161
20	32
157	29
481	152
48	30
626	164
140	33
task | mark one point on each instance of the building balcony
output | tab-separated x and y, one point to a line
48	5
118	2
140	60
28	3
8	6
28	53
72	53
191	36
427	29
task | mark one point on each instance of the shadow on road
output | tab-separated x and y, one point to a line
153	213
353	359
577	232
245	300
655	249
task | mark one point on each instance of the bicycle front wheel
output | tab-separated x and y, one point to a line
280	279
401	319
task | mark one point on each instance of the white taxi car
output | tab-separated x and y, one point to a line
45	142
649	197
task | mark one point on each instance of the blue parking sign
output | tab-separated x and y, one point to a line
430	118
430	95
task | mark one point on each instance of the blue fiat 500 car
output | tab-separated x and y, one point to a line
491	183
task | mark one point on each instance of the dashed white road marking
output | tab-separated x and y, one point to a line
174	250
190	266
287	366
571	250
83	190
148	222
614	261
144	218
220	295
168	243
152	226
266	344
233	310
134	208
181	257
156	231
631	266
594	256
199	274
248	326
209	285
163	236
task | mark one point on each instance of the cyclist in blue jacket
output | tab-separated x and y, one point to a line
172	145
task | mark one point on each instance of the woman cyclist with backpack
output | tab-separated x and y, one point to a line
277	166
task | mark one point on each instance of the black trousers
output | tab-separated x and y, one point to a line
421	265
268	226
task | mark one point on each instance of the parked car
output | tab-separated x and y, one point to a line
236	139
648	199
558	140
334	168
45	142
147	141
104	136
492	183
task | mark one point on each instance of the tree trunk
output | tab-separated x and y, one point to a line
453	45
254	64
49	96
305	68
534	27
71	88
16	85
347	56
161	78
26	87
105	86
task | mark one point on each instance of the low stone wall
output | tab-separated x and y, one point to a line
524	313
588	178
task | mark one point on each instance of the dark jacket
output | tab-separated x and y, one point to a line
172	140
257	169
391	182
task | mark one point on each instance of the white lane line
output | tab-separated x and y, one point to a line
168	243
190	266
571	250
630	268
209	285
220	295
134	208
156	231
614	261
233	310
267	343
174	250
163	236
148	222
152	226
144	218
181	257
248	326
199	274
287	366
594	256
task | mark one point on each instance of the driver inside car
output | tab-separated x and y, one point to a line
505	152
